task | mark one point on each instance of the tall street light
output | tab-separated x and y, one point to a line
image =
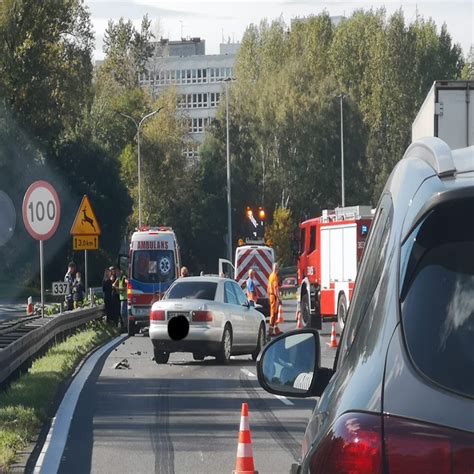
138	126
341	97
229	209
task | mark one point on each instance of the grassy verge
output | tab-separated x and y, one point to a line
26	405
290	296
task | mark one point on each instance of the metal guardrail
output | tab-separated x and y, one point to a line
38	333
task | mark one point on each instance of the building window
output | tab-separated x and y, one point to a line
198	125
191	152
214	99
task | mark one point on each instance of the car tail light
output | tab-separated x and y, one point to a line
202	316
412	446
129	292
353	445
157	315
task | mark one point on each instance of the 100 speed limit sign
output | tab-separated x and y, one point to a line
41	210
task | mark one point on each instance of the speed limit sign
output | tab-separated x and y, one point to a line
41	210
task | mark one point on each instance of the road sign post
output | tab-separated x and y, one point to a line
85	233
41	213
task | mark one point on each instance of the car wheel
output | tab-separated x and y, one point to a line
225	350
342	312
198	356
132	328
161	357
260	342
305	315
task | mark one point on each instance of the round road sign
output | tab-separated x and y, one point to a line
41	210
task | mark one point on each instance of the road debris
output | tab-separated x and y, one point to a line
123	364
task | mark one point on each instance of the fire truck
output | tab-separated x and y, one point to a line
330	249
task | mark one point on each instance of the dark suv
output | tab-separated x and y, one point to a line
400	398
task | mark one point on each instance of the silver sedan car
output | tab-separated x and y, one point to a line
206	316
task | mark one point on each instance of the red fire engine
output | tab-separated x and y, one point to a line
329	254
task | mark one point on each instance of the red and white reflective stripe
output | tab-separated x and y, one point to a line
257	258
264	257
244	424
244	450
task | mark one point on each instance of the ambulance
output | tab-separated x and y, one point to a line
153	265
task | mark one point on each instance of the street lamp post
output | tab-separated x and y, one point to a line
138	126
341	96
229	208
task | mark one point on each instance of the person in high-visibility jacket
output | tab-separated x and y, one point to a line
274	297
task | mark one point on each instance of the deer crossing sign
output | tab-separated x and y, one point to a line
85	229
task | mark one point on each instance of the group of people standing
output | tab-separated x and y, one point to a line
114	288
75	295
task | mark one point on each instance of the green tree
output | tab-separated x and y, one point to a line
127	50
45	65
468	69
279	233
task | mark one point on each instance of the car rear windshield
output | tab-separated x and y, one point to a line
202	290
437	298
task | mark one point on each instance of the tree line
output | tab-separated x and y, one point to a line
61	120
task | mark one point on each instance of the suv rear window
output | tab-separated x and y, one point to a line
437	298
202	290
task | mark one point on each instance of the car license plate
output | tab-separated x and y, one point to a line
141	311
174	314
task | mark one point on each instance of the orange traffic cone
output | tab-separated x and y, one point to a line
299	324
29	306
333	342
244	461
280	319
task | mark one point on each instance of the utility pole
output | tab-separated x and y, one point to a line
341	96
229	208
138	125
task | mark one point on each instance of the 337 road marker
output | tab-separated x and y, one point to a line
59	288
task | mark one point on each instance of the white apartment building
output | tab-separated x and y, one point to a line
198	78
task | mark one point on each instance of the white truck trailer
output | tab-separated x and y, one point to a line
447	113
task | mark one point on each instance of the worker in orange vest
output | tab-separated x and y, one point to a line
274	297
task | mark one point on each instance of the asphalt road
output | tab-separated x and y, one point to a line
11	309
182	417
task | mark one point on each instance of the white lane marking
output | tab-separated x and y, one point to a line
247	373
284	400
53	448
280	397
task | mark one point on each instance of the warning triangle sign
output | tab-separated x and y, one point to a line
85	222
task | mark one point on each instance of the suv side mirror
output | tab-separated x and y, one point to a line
289	365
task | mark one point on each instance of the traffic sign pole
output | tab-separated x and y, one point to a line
42	277
85	271
41	214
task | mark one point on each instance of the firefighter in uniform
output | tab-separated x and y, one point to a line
274	297
251	288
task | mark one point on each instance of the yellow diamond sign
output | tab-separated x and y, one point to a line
85	222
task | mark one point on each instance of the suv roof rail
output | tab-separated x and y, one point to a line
435	152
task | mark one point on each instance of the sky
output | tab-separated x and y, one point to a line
219	21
